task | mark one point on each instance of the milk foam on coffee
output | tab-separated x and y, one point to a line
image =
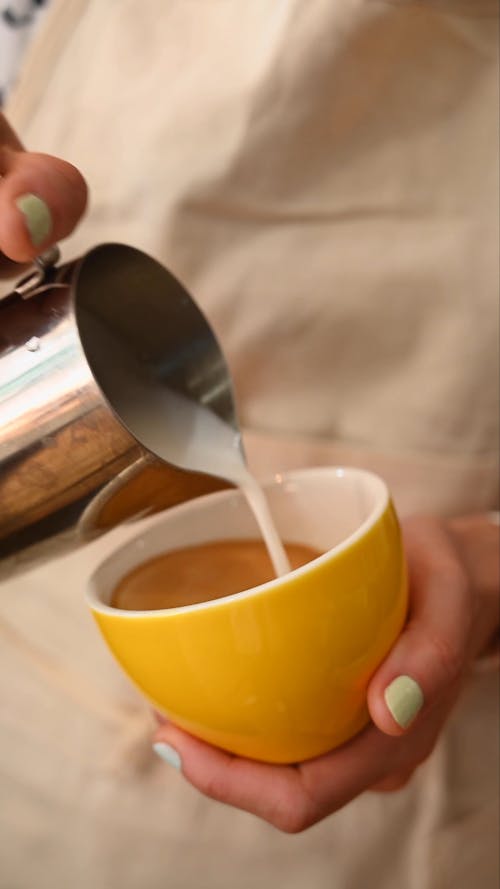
201	572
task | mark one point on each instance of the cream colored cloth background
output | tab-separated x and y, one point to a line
323	176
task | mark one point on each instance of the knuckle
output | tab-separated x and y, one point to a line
214	786
289	813
393	784
291	822
292	816
403	782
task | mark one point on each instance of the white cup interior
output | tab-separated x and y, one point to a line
325	508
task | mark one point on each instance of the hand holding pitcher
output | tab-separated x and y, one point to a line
41	200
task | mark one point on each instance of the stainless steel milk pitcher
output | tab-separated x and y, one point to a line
73	338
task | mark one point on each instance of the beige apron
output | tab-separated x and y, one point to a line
323	176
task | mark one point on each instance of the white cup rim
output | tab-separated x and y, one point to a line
94	599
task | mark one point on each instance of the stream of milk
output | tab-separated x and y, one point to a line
191	436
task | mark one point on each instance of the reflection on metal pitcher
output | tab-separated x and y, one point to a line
78	343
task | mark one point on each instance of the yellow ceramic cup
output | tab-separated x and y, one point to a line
279	672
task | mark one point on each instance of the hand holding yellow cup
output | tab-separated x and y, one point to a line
277	673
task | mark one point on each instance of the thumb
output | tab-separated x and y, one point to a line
431	654
41	199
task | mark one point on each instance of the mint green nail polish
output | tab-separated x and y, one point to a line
168	754
404	698
37	217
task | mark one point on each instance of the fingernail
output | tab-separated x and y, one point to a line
168	754
404	699
37	217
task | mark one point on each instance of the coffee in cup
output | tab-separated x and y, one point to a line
200	573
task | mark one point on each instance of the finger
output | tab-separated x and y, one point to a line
8	139
393	783
430	655
274	793
292	798
41	200
372	759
